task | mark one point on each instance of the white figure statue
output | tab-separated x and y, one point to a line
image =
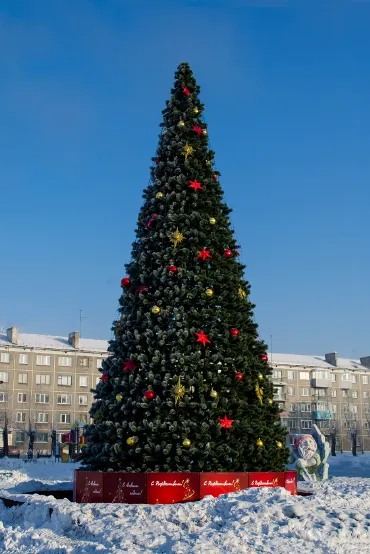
310	453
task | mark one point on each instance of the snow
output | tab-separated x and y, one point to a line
335	520
27	340
315	361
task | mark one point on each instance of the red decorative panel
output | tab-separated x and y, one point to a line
168	488
221	483
126	488
266	479
88	486
291	481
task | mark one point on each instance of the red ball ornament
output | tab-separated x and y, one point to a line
264	357
172	269
238	375
228	253
149	394
104	377
234	332
125	283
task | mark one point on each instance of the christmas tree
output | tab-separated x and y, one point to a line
186	387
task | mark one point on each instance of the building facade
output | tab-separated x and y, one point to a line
45	384
332	392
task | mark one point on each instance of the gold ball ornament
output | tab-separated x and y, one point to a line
204	132
131	441
181	124
119	397
196	110
209	292
213	393
156	310
279	444
212	221
259	443
186	443
260	376
159	195
208	163
270	401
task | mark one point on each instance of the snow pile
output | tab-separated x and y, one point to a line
336	520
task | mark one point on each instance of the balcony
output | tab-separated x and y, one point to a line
345	385
322	415
321	383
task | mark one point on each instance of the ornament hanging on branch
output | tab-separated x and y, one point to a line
204	254
156	310
125	282
187	151
241	292
181	124
131	441
186	443
104	377
259	393
226	423
196	111
119	397
178	391
176	237
151	220
149	394
172	269
259	443
234	332
195	185
228	253
202	338
209	292
186	91
159	195
129	365
264	357
279	444
238	375
213	394
212	221
142	288
197	130
204	132
260	376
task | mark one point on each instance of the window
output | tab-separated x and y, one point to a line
22	397
346	424
83	362
346	377
321	374
367	426
19	436
4	357
64	361
333	377
345	393
43	360
23	359
84	380
22	378
41	398
366	409
334	408
305	392
321	407
292	408
291	375
64	399
3	397
276	374
333	393
41	437
305	375
4	376
82	400
43	379
99	363
320	392
354	394
65	380
365	379
64	418
305	407
291	424
42	417
289	390
345	409
354	379
84	418
353	409
21	417
366	394
284	423
306	424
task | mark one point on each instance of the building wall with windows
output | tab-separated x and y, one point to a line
45	384
327	390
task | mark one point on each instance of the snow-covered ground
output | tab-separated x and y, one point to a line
335	520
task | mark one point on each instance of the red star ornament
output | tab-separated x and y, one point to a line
197	130
204	254
195	185
226	423
129	365
186	91
202	338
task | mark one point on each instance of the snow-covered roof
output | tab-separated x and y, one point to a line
55	343
315	361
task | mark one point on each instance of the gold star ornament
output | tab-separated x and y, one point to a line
188	150
176	237
178	391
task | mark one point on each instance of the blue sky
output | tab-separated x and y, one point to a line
286	88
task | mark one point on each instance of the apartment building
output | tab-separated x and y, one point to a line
45	384
332	392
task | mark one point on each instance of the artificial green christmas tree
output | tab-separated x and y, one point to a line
186	387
